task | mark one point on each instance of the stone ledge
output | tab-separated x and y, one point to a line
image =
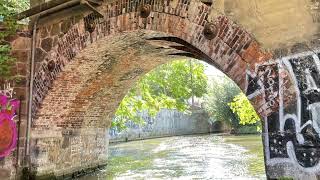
51	176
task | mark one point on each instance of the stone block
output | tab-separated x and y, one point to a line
46	44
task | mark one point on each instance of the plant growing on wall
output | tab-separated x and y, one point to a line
169	86
8	26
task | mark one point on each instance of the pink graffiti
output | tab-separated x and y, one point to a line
8	130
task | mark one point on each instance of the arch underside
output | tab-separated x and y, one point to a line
82	80
93	84
79	107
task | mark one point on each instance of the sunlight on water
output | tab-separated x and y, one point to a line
186	157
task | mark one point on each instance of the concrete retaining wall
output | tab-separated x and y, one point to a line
166	123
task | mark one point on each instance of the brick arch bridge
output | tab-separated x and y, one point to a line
85	67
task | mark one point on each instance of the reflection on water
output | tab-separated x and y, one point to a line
186	157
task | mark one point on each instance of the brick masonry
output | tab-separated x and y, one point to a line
231	49
85	65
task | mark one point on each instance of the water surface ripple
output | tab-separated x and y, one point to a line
186	157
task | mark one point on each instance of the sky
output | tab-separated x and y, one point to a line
211	70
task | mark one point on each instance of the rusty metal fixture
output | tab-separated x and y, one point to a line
210	31
51	65
145	10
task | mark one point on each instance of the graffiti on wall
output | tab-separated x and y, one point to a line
314	7
8	130
290	89
264	82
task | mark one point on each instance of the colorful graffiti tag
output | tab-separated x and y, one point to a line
8	130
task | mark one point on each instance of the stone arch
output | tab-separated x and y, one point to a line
85	95
230	45
271	85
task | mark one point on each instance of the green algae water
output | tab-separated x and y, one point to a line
186	157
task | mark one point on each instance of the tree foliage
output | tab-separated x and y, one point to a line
169	86
245	111
225	102
221	91
8	26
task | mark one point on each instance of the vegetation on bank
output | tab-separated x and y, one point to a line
226	103
242	107
168	86
172	85
8	27
221	91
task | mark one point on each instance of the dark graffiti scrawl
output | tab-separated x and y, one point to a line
293	129
270	80
304	123
265	81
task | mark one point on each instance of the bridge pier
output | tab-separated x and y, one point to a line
85	64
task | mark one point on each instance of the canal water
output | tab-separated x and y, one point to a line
186	157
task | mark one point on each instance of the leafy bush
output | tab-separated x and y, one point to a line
8	26
169	86
221	91
245	111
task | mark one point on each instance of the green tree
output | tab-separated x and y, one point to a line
221	91
245	111
8	26
169	86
